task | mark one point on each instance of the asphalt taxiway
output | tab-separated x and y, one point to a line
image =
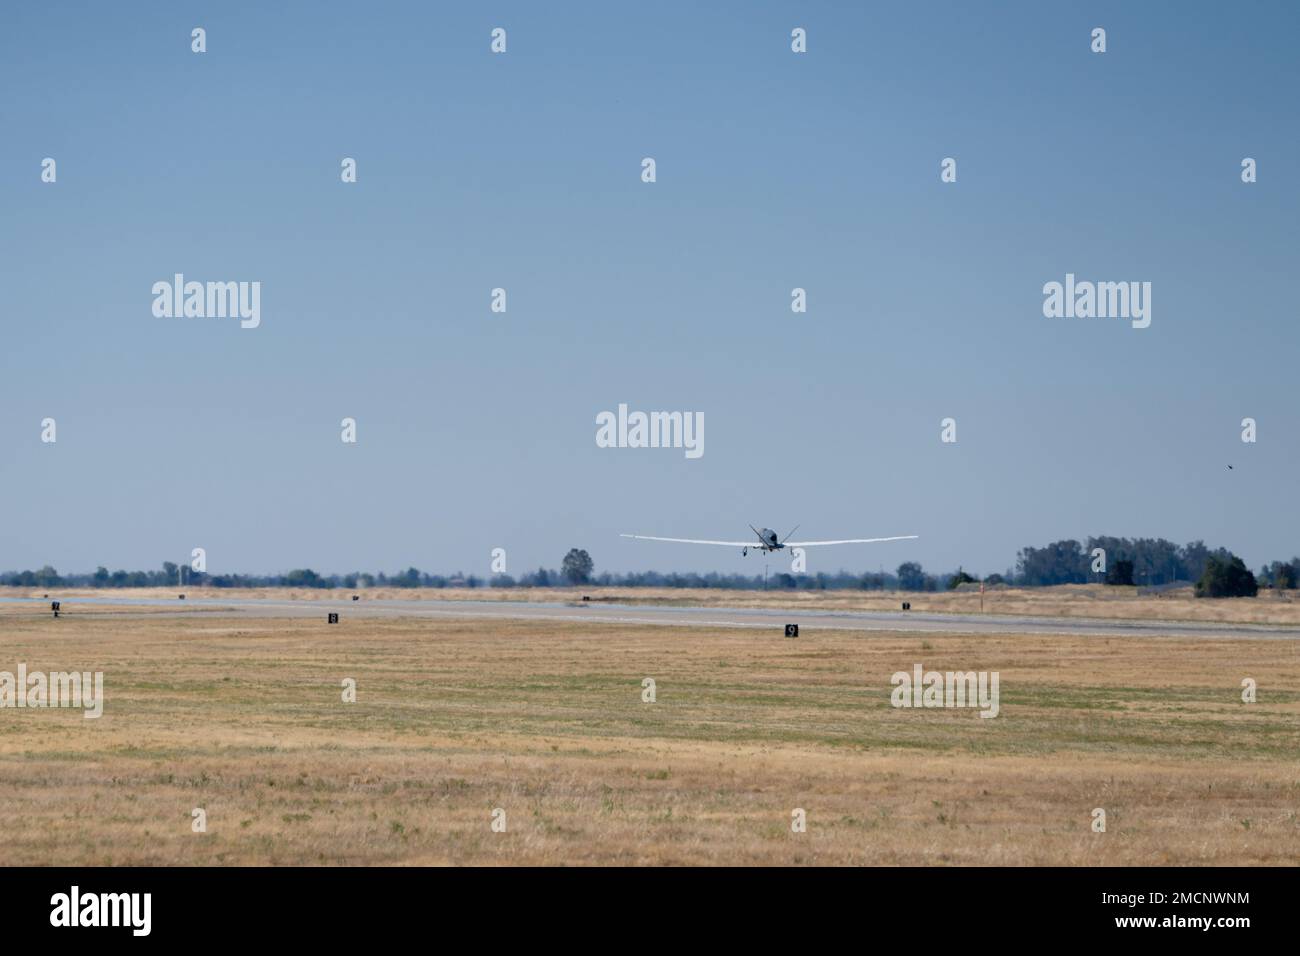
749	618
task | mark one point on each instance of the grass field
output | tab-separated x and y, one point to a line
244	717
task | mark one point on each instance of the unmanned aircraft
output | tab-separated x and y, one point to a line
768	541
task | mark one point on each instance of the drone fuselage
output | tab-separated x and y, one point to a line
769	542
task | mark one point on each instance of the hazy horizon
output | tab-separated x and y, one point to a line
752	566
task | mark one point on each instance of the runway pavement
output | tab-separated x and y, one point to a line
751	618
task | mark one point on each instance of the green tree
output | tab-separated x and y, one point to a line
577	566
1120	573
1283	576
302	578
911	577
1061	562
1192	557
47	577
960	578
1226	578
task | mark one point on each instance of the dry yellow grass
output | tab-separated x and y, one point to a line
244	717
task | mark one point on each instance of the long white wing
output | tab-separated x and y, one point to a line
809	544
730	544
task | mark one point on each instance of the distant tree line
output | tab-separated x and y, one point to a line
1144	561
1128	561
1151	562
414	578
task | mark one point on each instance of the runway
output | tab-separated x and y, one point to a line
759	619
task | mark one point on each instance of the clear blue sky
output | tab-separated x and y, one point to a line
522	170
